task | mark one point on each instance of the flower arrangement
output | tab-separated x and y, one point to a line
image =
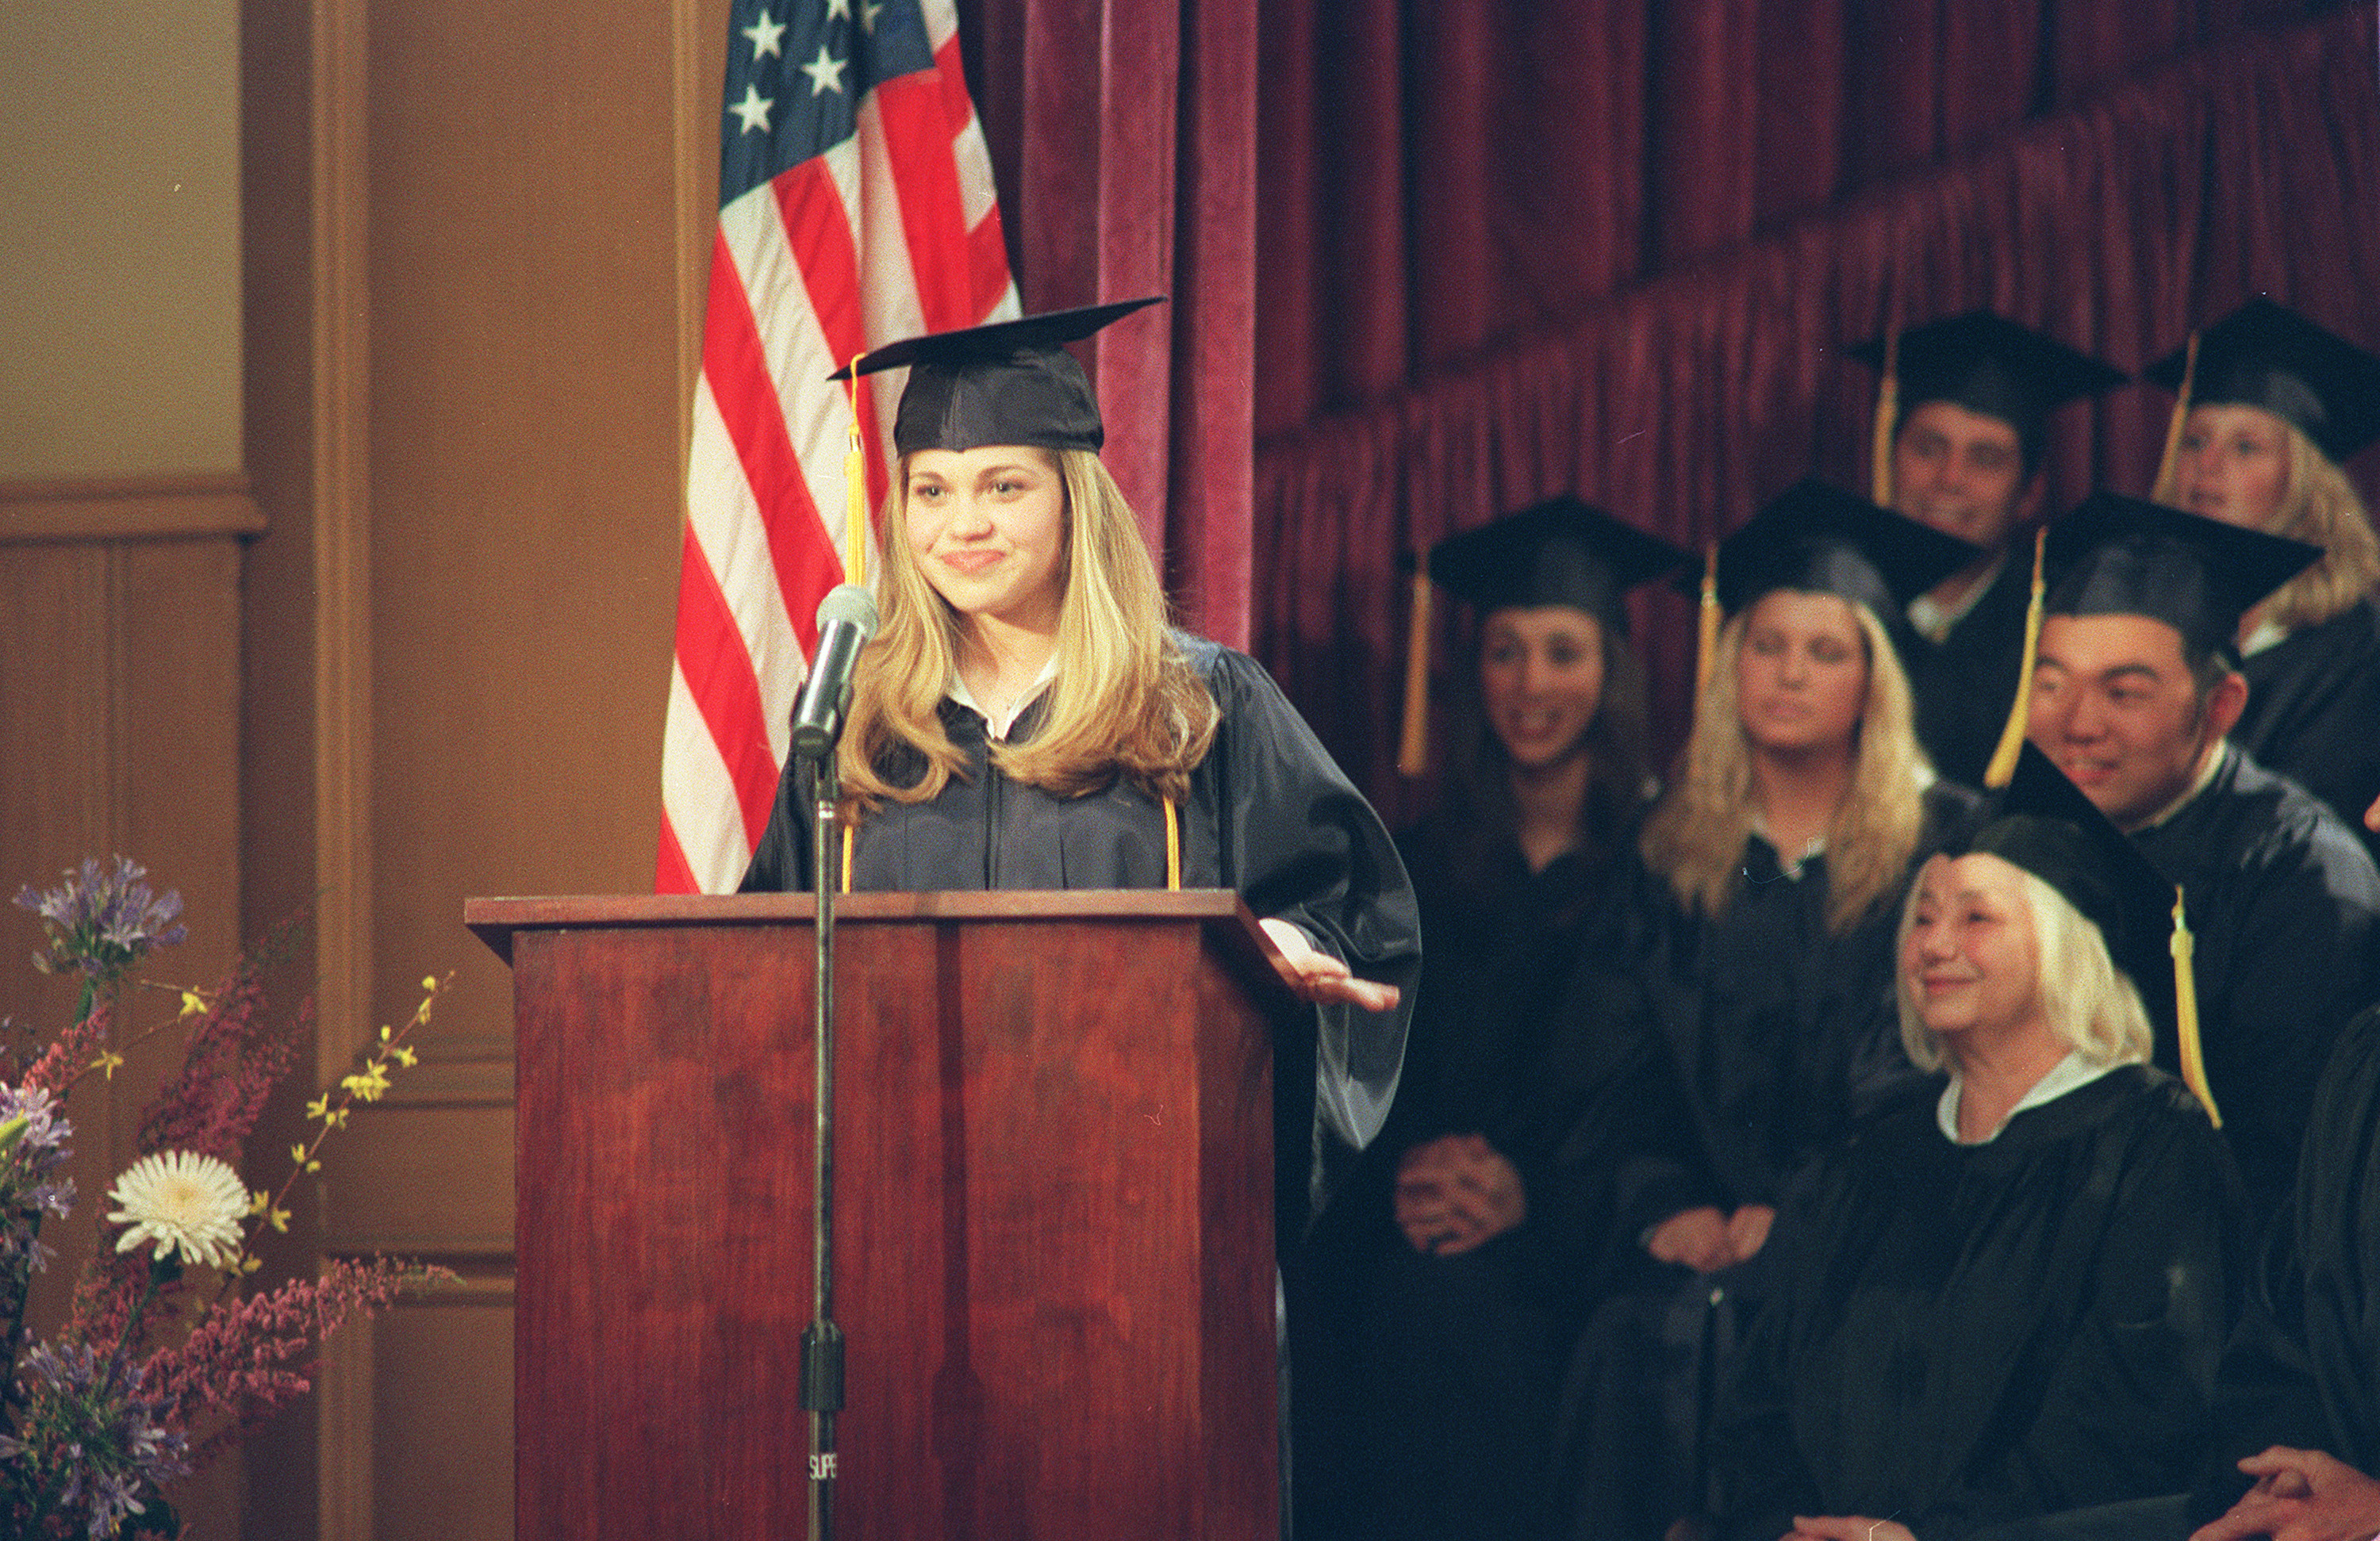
167	1353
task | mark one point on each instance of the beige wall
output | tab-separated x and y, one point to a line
349	535
119	238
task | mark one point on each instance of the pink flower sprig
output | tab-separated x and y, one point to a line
251	1356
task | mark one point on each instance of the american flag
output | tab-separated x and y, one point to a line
855	207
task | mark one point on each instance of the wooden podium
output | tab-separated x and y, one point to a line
1054	1215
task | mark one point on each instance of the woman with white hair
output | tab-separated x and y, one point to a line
2009	1300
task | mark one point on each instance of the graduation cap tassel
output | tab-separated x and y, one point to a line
2185	1013
2163	490
1887	409
1413	747
2003	763
1706	623
855	481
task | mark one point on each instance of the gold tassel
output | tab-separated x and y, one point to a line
1707	625
1413	747
2163	490
2003	766
1172	847
2185	1013
1888	409
854	482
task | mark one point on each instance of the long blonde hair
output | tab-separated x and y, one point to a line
2321	508
1695	836
2091	1007
1127	703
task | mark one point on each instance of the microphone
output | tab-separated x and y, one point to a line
847	619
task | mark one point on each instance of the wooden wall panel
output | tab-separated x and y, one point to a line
120	733
476	246
443	1392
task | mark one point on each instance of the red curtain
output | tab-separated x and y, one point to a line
1682	402
1123	142
1613	246
1437	177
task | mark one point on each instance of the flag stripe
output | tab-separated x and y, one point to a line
918	144
855	210
719	675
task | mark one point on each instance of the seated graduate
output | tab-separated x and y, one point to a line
2009	1300
2135	689
1471	1238
1964	414
1775	863
2268	409
1025	719
2300	1408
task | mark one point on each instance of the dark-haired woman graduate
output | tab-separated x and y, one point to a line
1025	719
1469	1246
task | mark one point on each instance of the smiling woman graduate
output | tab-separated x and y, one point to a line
2008	1300
1026	719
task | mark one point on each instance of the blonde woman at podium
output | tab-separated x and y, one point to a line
1026	718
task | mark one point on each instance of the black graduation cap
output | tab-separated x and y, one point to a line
2116	555
1988	363
1825	541
1007	383
1558	552
2043	823
2266	355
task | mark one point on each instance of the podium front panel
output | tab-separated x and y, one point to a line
1053	1238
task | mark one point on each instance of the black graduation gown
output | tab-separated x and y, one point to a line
1780	1033
2313	711
1269	815
1442	1372
1965	1335
1963	686
1778	1036
2304	1368
2285	907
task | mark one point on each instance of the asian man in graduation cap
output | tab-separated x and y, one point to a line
1966	404
2269	406
2136	686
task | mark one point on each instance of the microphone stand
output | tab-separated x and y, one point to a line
822	1341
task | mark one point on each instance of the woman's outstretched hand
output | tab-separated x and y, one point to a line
1317	976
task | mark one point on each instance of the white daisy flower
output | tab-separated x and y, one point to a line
184	1203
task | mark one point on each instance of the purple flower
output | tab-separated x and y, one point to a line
101	918
93	1437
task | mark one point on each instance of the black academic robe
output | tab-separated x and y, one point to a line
1269	815
1779	1037
1780	1033
1960	1336
2313	711
2304	1370
1963	686
2283	905
1429	1386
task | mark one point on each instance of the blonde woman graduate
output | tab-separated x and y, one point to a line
1775	866
1026	718
2271	404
